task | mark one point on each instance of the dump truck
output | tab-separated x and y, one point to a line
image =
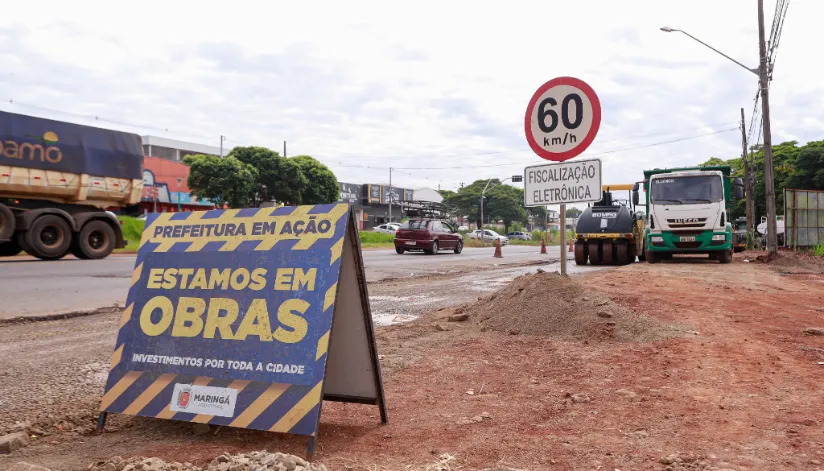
739	235
610	231
687	211
57	182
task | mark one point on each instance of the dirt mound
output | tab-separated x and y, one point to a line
793	262
551	304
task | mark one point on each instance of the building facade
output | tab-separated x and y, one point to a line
371	201
172	149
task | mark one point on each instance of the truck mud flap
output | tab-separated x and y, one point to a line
7	223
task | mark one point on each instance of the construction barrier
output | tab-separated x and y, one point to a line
230	317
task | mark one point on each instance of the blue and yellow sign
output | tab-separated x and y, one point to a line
229	317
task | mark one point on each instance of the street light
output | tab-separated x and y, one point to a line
763	81
667	29
514	178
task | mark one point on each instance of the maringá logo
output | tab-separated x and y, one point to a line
183	397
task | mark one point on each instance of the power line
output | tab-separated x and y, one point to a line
528	151
104	120
589	155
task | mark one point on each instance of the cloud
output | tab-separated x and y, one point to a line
434	84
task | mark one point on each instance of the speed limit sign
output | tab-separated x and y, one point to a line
562	119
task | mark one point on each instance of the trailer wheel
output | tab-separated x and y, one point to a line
9	249
95	240
580	253
621	254
607	256
49	237
594	256
6	222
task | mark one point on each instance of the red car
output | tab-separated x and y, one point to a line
427	235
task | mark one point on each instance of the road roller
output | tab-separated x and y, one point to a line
610	231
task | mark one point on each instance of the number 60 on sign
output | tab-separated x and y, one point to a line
562	118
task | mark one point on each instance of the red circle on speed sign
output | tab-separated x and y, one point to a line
562	119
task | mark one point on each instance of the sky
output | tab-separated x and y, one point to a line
417	86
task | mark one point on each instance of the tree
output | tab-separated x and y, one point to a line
321	184
276	178
506	203
445	194
467	200
222	181
573	212
793	167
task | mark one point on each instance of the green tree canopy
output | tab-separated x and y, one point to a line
502	202
264	176
573	212
277	178
223	181
321	185
793	167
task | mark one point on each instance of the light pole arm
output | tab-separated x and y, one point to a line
755	71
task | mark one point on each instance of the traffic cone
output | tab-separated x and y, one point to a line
543	246
498	253
570	246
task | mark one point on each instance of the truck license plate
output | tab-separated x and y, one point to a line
687	239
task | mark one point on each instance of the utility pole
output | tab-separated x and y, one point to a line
390	194
222	138
747	189
769	184
284	148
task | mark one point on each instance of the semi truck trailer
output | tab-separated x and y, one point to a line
687	212
58	182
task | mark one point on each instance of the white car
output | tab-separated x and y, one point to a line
520	235
390	228
489	235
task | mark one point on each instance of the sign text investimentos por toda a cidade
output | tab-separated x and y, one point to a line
230	315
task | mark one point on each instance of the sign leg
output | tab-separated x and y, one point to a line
563	241
101	421
310	447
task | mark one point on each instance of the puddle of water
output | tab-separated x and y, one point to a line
391	319
416	300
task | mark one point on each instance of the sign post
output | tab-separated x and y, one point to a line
561	121
246	318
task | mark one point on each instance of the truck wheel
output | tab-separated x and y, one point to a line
6	223
95	240
606	253
49	237
621	254
580	253
594	256
9	249
725	257
652	257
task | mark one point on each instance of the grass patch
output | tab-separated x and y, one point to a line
132	231
369	238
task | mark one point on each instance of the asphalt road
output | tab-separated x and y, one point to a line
30	287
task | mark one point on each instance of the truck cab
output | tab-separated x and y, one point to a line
687	212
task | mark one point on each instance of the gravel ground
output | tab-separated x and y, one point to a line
56	370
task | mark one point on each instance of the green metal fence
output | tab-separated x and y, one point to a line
804	217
